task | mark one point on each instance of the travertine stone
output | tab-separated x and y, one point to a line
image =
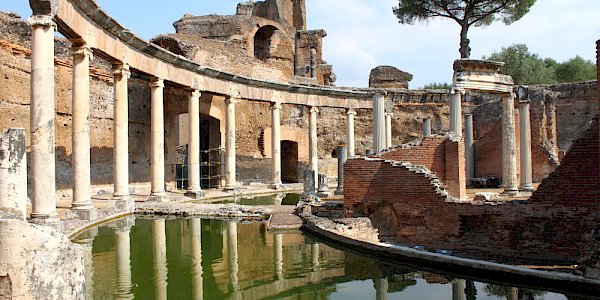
82	201
157	140
43	185
230	143
342	157
427	127
509	147
378	121
309	182
13	172
350	133
197	270
276	145
389	77
232	254
194	188
525	147
278	253
312	140
469	150
121	75
381	288
123	253
323	190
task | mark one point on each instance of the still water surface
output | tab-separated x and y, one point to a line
213	259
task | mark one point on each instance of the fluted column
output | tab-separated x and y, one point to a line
427	127
276	145
509	147
350	133
157	140
378	122
525	143
80	160
230	143
455	113
198	280
159	246
469	151
388	130
121	134
43	183
312	140
194	187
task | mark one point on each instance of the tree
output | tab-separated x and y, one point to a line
437	86
523	66
576	69
466	13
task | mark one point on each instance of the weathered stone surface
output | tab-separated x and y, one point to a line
206	210
13	171
389	77
40	262
486	197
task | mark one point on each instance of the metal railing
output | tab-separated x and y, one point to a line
211	169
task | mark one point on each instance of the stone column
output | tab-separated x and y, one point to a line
232	255
86	240
13	172
469	150
378	122
350	133
388	130
123	251
194	189
197	271
276	145
427	127
230	143
157	140
43	187
381	288
312	140
509	147
455	113
278	249
121	137
525	143
82	202
341	152
159	247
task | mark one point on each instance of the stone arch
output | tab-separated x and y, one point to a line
266	39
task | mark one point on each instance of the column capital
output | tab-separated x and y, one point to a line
276	105
195	93
351	111
389	114
41	20
83	50
231	100
453	91
156	82
525	101
314	109
378	92
121	69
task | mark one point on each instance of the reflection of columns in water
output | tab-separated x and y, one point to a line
277	199
458	289
381	288
512	293
197	282
278	249
159	239
232	255
86	240
314	251
122	242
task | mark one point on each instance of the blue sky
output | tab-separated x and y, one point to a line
363	34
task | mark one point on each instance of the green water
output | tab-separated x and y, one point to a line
214	259
278	199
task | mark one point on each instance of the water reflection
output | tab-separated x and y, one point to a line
212	259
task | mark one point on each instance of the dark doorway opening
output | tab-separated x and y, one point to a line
289	162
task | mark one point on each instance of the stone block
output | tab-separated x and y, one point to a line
13	171
486	197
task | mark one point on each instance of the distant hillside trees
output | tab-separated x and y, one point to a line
529	68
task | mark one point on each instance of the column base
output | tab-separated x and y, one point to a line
49	221
125	203
158	197
194	194
510	192
526	188
339	191
87	214
229	188
276	186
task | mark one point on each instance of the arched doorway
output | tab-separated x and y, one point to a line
289	162
264	41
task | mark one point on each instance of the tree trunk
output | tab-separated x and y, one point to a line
465	50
